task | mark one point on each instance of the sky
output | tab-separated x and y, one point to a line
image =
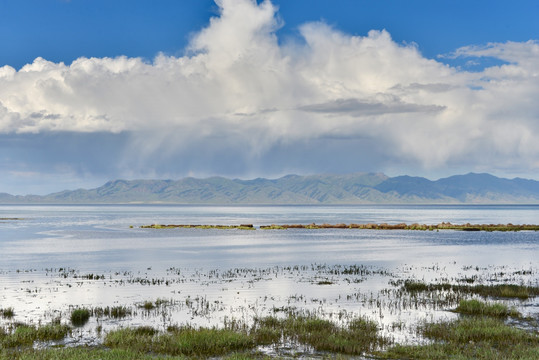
96	90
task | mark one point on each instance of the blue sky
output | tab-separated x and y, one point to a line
94	90
62	30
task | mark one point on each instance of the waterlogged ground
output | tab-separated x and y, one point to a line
213	297
57	259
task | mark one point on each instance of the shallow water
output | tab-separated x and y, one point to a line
207	275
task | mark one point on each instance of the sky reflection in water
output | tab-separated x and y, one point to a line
37	250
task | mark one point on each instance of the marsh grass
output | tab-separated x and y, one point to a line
147	305
116	312
295	325
496	291
7	313
80	353
358	337
182	341
477	337
79	317
23	335
476	307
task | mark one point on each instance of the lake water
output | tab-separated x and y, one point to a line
55	258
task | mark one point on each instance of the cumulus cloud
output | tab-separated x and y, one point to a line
241	92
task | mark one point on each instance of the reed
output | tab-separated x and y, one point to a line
79	317
476	307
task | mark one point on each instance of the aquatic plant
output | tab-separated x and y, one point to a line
116	312
358	337
25	335
79	317
147	305
469	338
494	290
476	307
183	341
7	313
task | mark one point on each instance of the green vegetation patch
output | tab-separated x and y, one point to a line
183	341
7	313
470	338
116	312
22	335
359	337
79	317
497	291
476	307
79	353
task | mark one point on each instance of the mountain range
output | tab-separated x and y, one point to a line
356	188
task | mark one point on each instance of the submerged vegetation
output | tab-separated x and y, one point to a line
301	326
369	226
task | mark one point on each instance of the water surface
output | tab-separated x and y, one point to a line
207	275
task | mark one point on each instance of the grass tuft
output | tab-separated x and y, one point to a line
24	335
7	313
79	317
359	337
478	337
476	307
497	291
181	341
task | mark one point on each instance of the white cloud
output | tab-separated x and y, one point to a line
239	85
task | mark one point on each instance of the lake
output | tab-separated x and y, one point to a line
56	258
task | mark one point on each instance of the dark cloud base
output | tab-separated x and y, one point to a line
48	162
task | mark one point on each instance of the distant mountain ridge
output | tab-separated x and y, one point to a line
356	188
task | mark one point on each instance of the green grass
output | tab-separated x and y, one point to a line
506	291
79	317
470	337
80	353
23	335
184	341
116	312
7	313
359	337
496	291
476	307
90	353
147	305
478	337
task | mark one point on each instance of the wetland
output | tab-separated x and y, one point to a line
91	281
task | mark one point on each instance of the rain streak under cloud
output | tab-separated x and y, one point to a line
242	102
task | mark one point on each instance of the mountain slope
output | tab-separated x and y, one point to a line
357	188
